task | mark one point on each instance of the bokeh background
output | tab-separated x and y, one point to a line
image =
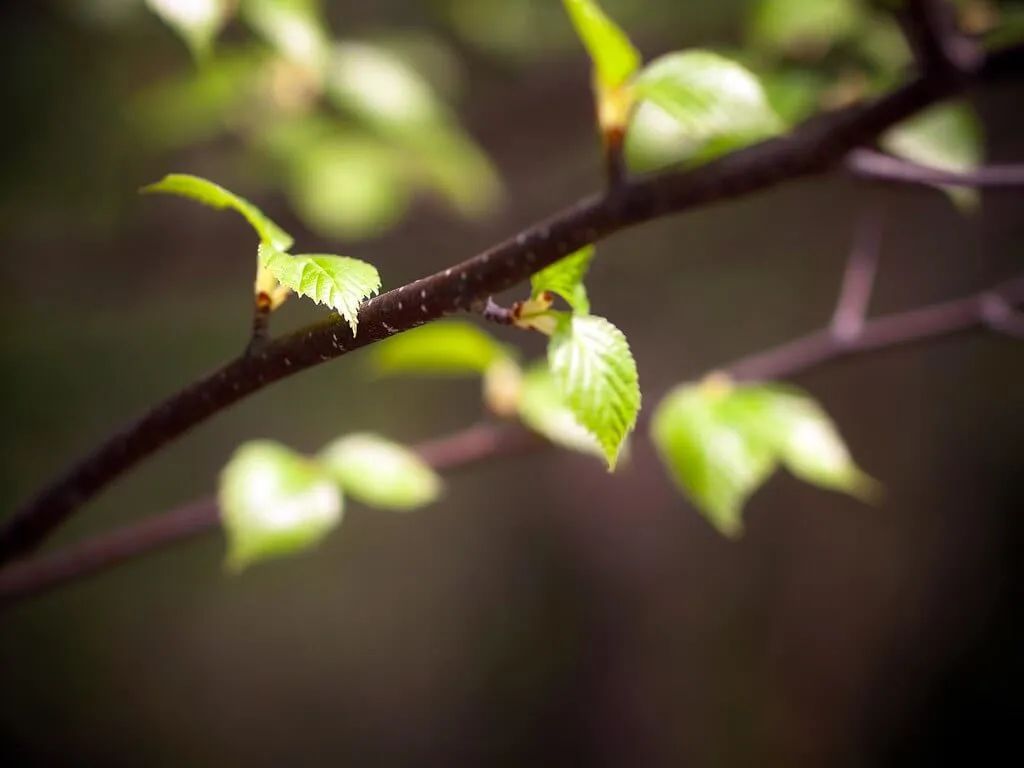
544	612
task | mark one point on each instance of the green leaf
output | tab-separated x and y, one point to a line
803	28
380	473
382	89
614	57
721	443
337	281
596	374
719	105
348	185
717	464
947	136
543	409
445	347
801	434
274	502
294	27
216	196
565	277
196	21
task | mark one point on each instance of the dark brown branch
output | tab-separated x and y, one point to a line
939	47
814	148
876	166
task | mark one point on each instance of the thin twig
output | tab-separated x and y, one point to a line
858	278
872	165
816	147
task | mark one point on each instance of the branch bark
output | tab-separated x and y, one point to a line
872	165
816	147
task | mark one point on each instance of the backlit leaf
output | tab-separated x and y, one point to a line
718	104
293	27
274	502
448	347
543	409
717	464
614	56
339	282
196	21
948	137
592	364
565	277
804	28
380	473
215	196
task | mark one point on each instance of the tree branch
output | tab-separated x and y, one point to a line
872	165
487	440
814	148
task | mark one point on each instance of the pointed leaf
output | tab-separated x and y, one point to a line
274	502
565	277
215	196
339	282
614	56
380	473
801	434
445	347
716	463
948	137
596	374
196	21
718	104
543	409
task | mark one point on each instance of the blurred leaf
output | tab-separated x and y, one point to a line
718	104
197	106
948	137
348	185
380	473
337	281
803	28
216	196
596	374
544	410
614	57
379	87
274	502
721	443
801	434
451	164
1009	29
443	347
794	94
882	43
503	387
565	277
716	463
294	27
196	21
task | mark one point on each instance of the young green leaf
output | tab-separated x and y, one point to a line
196	21
716	463
596	374
801	434
337	281
215	196
448	347
614	56
380	473
274	502
804	28
948	137
565	277
543	409
293	27
718	103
